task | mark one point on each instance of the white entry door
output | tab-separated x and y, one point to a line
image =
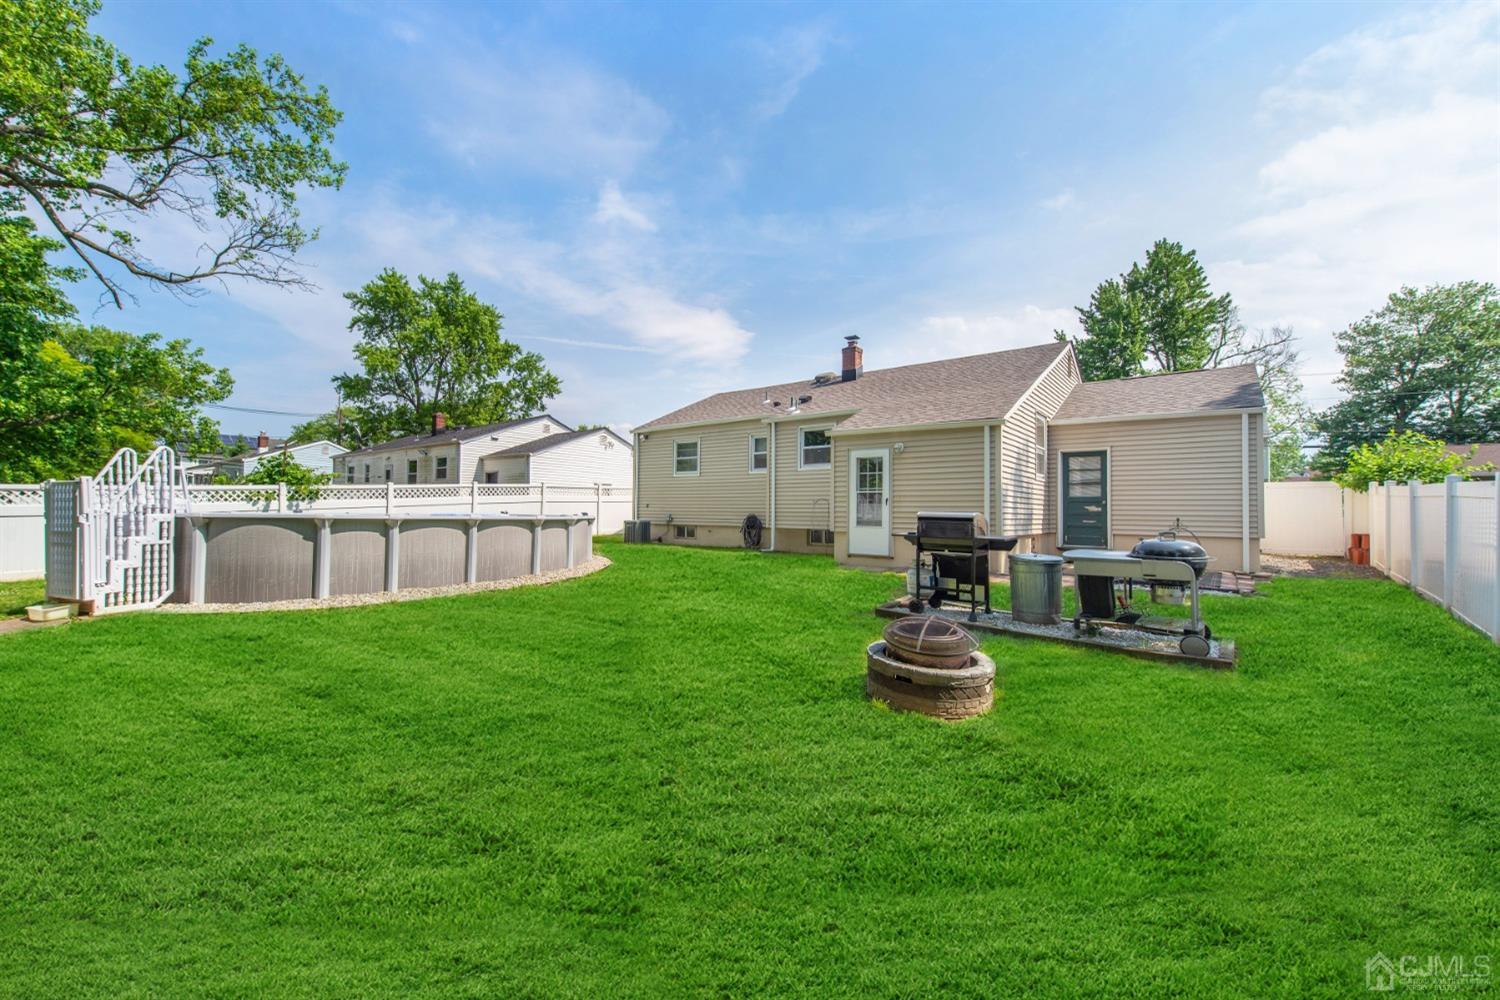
870	502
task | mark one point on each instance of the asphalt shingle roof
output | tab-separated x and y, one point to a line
1205	390
978	387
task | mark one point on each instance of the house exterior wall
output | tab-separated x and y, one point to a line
935	470
472	451
584	461
507	470
397	458
803	495
319	456
1020	486
1164	469
722	493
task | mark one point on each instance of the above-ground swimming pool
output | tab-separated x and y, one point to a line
239	558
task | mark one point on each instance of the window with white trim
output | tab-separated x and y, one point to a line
388	477
441	467
367	472
759	452
685	530
819	536
411	470
816	448
1040	447
685	457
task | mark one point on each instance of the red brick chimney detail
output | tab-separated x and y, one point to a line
854	358
262	441
439	423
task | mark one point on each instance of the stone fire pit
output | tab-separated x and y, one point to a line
951	679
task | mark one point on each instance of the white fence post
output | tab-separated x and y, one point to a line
390	497
1495	583
598	505
1450	540
281	498
1413	499
542	509
473	500
1390	559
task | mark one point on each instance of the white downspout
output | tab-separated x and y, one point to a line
988	510
772	425
1245	492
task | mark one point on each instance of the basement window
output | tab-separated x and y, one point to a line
819	536
685	531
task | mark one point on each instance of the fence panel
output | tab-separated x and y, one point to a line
22	531
1308	519
1432	530
1456	565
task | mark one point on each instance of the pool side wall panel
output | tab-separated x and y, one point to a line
504	552
554	547
358	563
259	560
432	553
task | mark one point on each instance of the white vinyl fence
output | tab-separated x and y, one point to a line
1443	541
22	528
1312	518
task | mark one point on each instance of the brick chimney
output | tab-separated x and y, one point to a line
854	358
439	422
262	441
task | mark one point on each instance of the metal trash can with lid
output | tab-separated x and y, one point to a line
1036	588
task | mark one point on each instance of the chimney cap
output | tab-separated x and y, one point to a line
853	338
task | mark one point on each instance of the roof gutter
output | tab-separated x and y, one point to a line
1172	415
935	426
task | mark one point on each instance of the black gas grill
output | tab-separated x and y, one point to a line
958	548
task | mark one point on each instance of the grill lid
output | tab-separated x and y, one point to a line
1177	549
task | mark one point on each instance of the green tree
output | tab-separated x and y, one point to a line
74	394
95	144
279	467
435	347
1427	360
1162	316
1404	456
342	426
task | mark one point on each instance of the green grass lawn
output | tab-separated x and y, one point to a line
14	596
665	779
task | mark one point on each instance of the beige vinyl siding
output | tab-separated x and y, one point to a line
724	490
936	470
1159	470
1022	488
803	496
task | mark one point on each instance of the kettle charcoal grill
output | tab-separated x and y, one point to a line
1163	560
959	545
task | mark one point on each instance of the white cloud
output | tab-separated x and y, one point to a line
793	55
1388	174
955	335
1063	199
615	207
545	114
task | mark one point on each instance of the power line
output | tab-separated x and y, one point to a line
252	409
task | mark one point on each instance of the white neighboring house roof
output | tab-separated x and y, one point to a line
551	441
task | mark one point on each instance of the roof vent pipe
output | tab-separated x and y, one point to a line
854	358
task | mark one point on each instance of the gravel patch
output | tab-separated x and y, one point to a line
1317	566
593	565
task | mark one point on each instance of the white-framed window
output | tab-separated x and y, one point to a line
348	473
685	457
367	472
685	530
440	467
389	477
411	470
760	459
814	448
492	477
819	536
1040	445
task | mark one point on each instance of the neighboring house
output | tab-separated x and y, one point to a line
1484	454
484	455
841	463
575	457
315	455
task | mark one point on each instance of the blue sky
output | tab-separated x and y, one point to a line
670	200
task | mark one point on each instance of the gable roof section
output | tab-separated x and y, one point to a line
1206	390
451	436
957	390
550	441
1484	453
